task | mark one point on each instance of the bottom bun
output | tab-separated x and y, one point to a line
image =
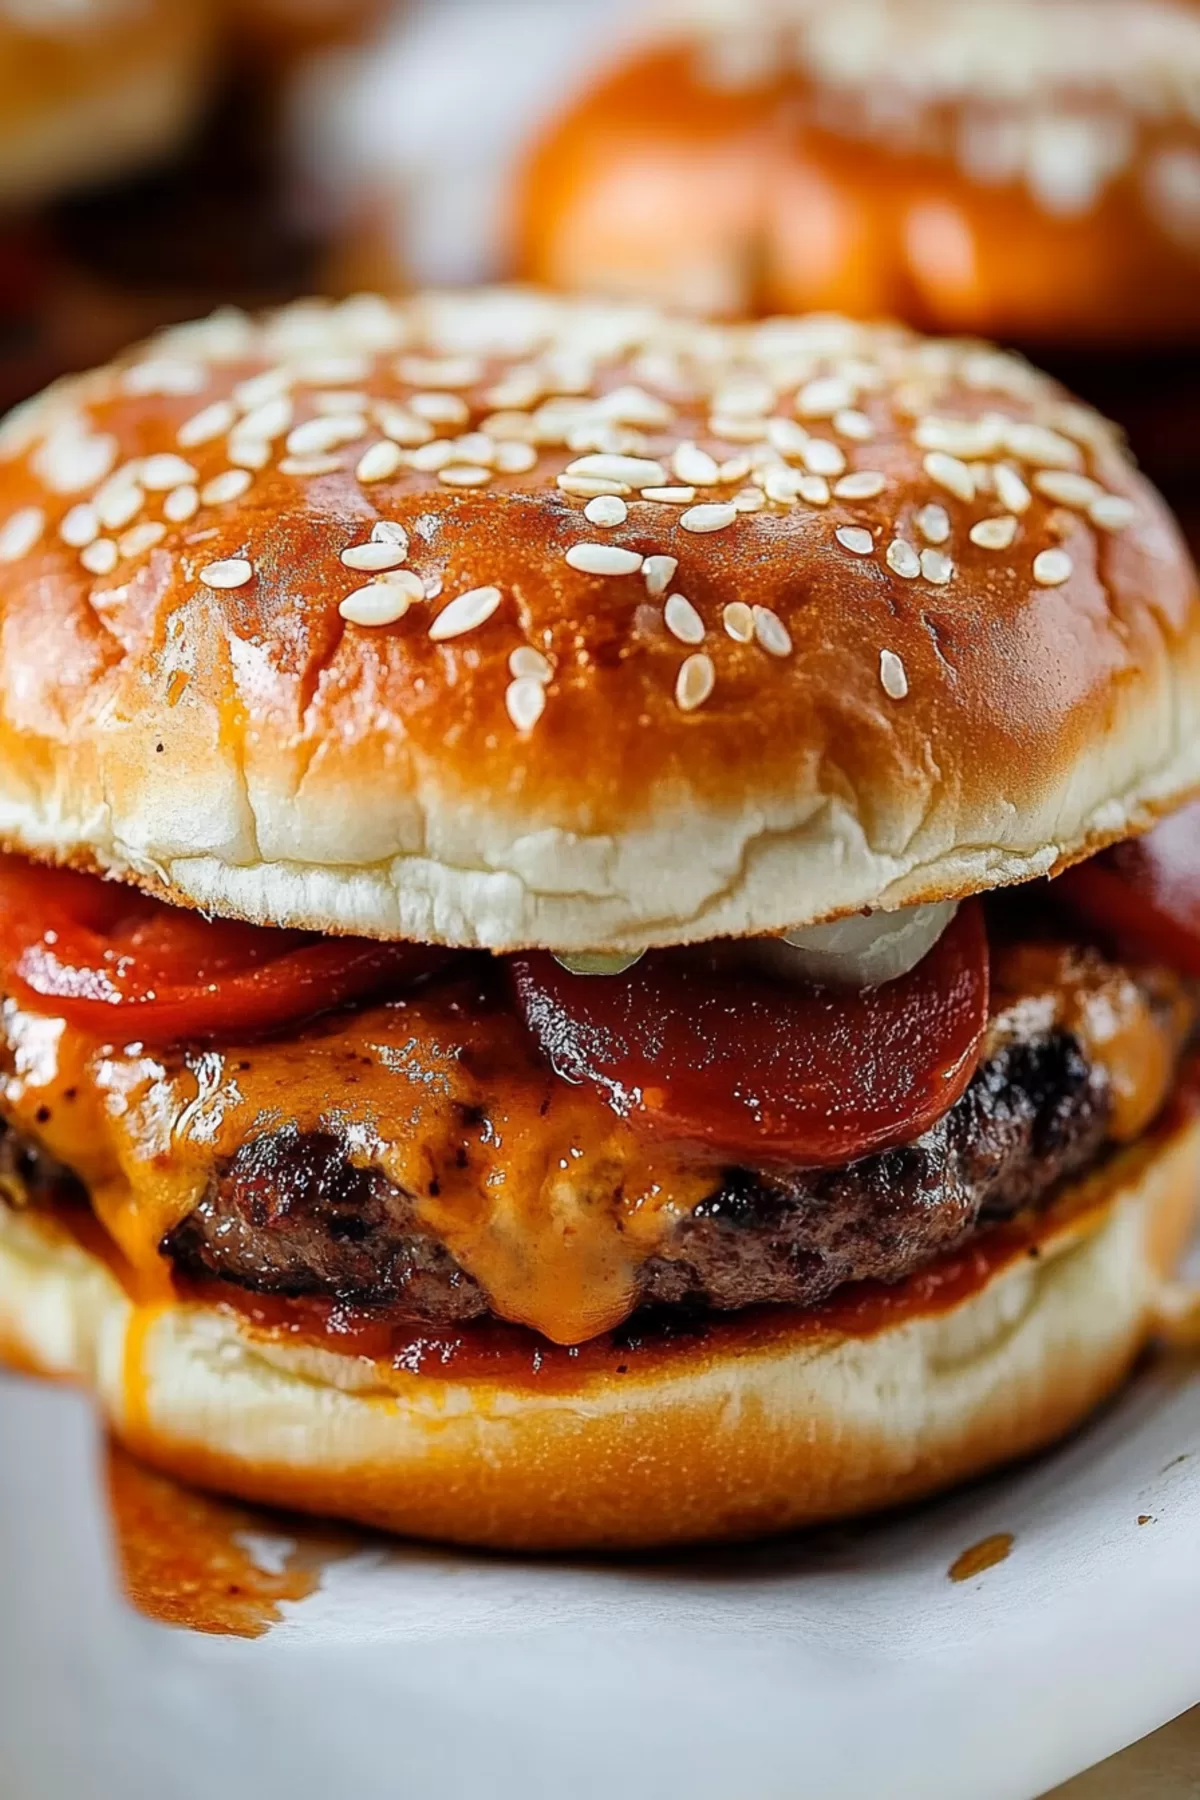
757	1425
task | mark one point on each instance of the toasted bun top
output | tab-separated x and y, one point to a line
877	620
93	87
1025	168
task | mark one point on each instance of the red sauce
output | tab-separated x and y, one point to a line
191	1560
494	1351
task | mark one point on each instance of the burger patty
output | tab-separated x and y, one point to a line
292	1215
290	1212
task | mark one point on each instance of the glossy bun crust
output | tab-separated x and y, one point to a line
857	619
759	1426
1029	169
89	90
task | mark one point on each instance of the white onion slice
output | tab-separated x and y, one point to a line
864	950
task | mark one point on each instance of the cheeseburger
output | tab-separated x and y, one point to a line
533	1010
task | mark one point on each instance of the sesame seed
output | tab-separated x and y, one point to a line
1011	491
248	453
994	534
737	431
99	557
1038	444
787	437
814	490
268	421
695	681
1067	488
603	559
682	620
465	475
20	532
951	474
586	487
230	572
1052	567
374	556
163	377
606	510
782	486
440	372
383	602
141	537
159	473
525	700
821	398
695	467
903	560
181	504
863	484
311	465
750	499
670	496
230	484
631	471
892	675
387	531
475	447
212	422
849	422
821	456
709	518
465	612
966	438
933	523
659	572
856	539
771	632
1112	512
333	400
401	426
118	502
936	568
256	388
332	371
515	458
79	526
527	664
429	458
734	468
379	462
326	432
738	620
71	459
744	399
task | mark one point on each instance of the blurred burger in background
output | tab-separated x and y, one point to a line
141	180
90	90
1025	169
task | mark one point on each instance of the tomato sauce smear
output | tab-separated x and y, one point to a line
118	963
691	1049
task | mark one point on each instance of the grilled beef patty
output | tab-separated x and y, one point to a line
291	1215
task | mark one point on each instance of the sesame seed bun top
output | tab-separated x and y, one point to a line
1025	168
91	88
494	619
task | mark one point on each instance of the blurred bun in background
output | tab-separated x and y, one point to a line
90	88
282	27
1023	168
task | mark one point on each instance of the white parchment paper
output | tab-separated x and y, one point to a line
844	1666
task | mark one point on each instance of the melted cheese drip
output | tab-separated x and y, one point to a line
535	1186
539	1191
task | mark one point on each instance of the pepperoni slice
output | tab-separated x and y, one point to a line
1143	897
110	959
689	1049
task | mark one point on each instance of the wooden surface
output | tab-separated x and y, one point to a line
1163	1767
